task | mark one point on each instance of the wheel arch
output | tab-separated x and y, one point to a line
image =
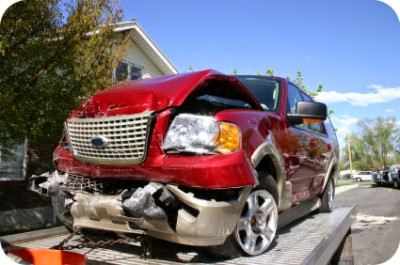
268	158
332	172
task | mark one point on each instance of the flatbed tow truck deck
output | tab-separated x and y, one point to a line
314	239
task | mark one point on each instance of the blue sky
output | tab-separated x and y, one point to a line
351	47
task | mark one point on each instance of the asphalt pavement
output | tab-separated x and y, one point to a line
376	232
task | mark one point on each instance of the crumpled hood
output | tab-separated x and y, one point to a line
154	94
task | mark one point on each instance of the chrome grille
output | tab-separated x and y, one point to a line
80	183
125	138
106	186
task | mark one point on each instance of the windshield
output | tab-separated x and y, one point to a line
266	90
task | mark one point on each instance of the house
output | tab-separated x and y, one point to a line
142	60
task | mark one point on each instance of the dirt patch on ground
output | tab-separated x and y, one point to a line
364	222
15	195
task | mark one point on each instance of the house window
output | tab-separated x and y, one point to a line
136	72
121	73
127	71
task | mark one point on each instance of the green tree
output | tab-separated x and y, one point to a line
54	54
299	82
361	158
375	144
270	72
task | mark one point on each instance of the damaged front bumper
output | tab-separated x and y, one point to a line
194	221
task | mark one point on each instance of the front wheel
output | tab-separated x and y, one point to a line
257	225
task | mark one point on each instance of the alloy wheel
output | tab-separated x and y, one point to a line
257	226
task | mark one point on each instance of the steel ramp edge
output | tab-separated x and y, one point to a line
310	240
323	252
58	230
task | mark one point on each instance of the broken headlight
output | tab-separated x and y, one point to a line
201	134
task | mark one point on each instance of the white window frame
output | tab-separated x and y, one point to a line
129	71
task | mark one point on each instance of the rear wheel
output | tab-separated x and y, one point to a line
257	225
327	197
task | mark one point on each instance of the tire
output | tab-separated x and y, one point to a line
396	184
62	212
327	197
358	179
257	225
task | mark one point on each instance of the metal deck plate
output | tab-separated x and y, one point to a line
310	240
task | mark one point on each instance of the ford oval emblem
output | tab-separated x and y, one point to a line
99	142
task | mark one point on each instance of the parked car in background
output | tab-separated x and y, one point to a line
390	176
363	176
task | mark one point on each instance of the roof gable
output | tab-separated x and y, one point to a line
148	46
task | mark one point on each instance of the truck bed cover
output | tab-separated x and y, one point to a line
310	240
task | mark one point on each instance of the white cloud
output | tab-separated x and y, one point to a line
395	5
381	95
345	124
389	110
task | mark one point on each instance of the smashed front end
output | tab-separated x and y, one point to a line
168	212
153	158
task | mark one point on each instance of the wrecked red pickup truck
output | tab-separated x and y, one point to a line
200	158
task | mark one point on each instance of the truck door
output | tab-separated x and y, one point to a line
305	152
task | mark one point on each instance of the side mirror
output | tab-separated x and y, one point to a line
311	112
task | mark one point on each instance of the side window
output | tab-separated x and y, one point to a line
315	127
329	128
293	96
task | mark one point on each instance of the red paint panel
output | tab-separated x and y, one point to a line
211	171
